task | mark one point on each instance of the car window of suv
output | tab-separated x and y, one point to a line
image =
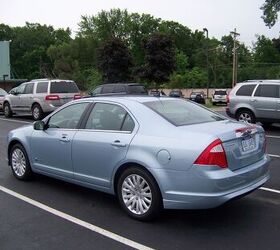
108	89
119	89
246	90
42	87
97	91
20	89
267	90
106	116
69	117
29	88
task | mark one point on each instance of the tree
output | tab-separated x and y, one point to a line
270	12
114	61
159	58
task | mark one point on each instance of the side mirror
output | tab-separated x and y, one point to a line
39	125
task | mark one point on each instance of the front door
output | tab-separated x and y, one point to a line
51	148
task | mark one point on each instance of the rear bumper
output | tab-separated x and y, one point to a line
207	187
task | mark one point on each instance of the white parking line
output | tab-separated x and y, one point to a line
11	120
75	220
270	190
276	156
273	136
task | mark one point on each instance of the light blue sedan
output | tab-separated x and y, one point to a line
151	152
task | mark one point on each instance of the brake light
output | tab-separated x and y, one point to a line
214	154
52	98
77	97
228	100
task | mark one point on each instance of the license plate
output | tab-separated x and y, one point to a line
248	144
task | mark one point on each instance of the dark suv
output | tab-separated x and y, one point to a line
119	89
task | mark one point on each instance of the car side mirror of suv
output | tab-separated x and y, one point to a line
39	125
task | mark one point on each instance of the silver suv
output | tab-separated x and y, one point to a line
256	100
39	96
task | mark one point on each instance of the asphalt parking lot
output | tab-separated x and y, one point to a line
51	214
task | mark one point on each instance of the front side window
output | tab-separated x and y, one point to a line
42	87
246	90
106	116
29	88
20	89
108	89
69	117
267	90
181	112
97	91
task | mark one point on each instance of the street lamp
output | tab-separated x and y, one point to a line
205	30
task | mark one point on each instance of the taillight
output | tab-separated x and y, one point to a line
214	154
52	98
77	97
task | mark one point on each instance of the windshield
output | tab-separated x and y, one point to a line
136	89
220	92
182	112
63	87
2	92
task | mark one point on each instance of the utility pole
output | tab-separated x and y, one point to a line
207	61
234	58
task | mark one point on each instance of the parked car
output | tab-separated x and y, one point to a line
39	97
151	152
157	93
219	96
119	89
197	97
176	93
254	101
2	96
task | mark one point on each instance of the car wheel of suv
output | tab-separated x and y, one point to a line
139	194
37	112
245	115
20	163
7	110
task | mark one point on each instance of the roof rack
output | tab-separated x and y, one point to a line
42	79
263	80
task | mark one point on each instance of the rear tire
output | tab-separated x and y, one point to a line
37	112
245	115
7	110
20	164
138	194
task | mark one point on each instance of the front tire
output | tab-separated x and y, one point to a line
245	115
138	194
37	112
20	163
7	110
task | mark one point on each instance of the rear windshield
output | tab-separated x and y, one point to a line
136	89
64	87
220	92
182	112
2	92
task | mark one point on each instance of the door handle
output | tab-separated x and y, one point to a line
64	138
117	143
253	100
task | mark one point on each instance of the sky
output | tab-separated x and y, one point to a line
220	17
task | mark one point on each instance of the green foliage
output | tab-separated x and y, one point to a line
114	61
159	58
180	54
270	12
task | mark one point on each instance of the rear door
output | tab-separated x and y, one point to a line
264	100
102	144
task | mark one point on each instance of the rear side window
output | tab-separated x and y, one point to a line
181	112
267	90
246	90
42	87
63	87
108	89
106	116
